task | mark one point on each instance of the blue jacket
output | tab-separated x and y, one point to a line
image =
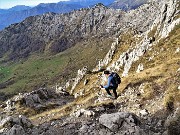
111	82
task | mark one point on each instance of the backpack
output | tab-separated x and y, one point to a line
117	78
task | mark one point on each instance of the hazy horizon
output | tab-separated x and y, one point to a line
6	4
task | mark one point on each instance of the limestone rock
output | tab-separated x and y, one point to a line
140	68
16	130
87	113
162	16
80	75
20	120
25	122
80	93
3	130
86	81
35	99
118	120
143	112
9	105
6	122
172	123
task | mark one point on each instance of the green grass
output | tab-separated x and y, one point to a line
5	72
38	70
32	73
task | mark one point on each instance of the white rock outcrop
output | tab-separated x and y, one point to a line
79	77
87	113
165	17
140	68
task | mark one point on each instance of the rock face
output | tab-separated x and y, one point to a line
16	130
80	75
127	4
38	99
16	125
94	121
160	14
120	120
172	123
57	32
72	83
62	30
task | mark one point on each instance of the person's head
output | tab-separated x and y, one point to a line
106	72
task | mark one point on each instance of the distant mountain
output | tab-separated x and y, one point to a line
91	2
19	13
127	4
15	8
19	8
10	16
3	11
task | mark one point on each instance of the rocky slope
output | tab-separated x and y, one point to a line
19	13
148	101
127	4
57	32
42	37
54	32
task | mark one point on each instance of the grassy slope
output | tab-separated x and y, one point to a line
159	76
161	71
44	69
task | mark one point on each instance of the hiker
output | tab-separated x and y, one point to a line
113	81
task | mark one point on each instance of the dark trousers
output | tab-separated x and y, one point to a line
114	91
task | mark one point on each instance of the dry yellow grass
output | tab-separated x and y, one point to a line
160	76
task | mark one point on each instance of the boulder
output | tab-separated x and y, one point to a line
19	120
6	122
16	130
87	113
25	122
111	121
119	120
172	123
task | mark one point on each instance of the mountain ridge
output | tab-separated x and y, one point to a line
128	4
11	16
18	16
49	34
147	58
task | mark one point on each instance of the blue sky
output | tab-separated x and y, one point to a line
4	4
